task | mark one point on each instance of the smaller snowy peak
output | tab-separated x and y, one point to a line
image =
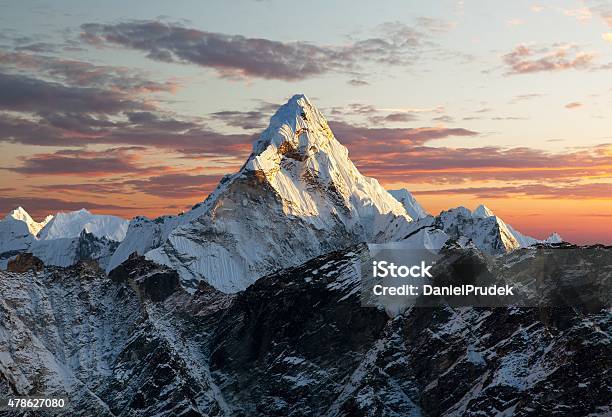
456	213
20	214
69	225
482	212
554	238
68	251
412	206
488	232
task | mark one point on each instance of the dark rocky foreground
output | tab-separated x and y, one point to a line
297	343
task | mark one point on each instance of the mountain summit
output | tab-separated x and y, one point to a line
297	196
310	170
412	206
71	224
21	215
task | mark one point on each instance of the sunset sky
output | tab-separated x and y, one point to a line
140	107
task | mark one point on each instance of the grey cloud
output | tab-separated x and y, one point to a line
84	74
26	94
237	56
245	119
357	82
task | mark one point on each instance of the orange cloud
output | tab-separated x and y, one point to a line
573	105
570	191
581	14
86	163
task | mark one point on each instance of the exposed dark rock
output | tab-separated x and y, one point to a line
24	262
150	280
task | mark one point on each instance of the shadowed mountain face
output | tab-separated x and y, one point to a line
295	343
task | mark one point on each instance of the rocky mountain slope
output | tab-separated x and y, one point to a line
298	343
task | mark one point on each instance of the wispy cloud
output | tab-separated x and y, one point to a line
570	191
72	103
581	13
384	141
84	74
27	94
526	59
573	105
380	116
355	82
177	185
603	8
85	163
398	162
240	56
525	97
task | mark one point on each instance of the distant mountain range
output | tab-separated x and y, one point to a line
62	239
297	196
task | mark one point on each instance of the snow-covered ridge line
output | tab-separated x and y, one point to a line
20	214
73	223
61	240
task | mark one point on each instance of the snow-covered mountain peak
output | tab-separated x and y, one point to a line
482	211
19	214
412	206
488	231
289	126
554	238
22	215
457	212
297	131
298	196
299	157
71	224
